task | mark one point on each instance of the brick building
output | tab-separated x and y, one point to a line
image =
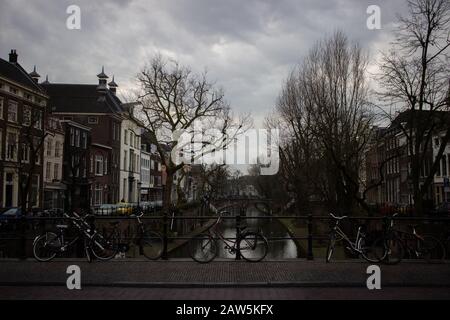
22	111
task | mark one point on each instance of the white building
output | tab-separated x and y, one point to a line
146	184
442	176
130	158
53	165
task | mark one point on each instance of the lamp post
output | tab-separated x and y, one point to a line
165	218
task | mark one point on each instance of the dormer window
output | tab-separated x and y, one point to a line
13	90
92	120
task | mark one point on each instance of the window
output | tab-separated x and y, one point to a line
37	119
114	130
26	121
25	155
84	140
47	171
92	164
125	160
72	137
92	120
125	140
49	147
77	138
56	172
11	145
84	167
12	90
12	111
1	108
105	167
98	165
57	149
98	194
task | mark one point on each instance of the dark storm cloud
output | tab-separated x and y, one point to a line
247	46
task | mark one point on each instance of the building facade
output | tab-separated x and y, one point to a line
22	111
54	188
98	108
130	157
75	165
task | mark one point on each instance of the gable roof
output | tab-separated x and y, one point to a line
15	73
81	98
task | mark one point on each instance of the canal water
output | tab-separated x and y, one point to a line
271	228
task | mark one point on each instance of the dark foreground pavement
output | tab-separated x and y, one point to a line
183	279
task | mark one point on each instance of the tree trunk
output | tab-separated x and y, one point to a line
167	192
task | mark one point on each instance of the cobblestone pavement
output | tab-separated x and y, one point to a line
188	274
123	293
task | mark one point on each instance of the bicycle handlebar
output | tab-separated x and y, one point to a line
336	217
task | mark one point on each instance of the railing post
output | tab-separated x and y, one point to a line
310	255
238	233
165	223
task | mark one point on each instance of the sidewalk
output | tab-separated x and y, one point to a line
188	274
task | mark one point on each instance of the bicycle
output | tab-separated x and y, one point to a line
411	244
394	247
50	244
359	246
251	245
149	242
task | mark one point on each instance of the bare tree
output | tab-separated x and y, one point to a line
414	76
30	145
174	101
325	109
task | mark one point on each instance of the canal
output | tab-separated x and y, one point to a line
271	228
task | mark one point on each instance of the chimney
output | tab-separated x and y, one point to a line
13	56
102	79
34	75
113	86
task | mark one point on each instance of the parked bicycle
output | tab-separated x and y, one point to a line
360	246
250	245
150	242
413	245
48	245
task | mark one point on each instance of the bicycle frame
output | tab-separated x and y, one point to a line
229	243
353	245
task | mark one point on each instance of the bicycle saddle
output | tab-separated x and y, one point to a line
336	217
62	226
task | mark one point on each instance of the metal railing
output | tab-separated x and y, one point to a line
18	233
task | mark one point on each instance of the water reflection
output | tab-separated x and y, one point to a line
270	228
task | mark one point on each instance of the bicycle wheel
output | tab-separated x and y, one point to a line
45	246
202	248
330	247
102	248
152	245
431	249
372	252
395	250
253	246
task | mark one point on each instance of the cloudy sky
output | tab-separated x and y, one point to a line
248	47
